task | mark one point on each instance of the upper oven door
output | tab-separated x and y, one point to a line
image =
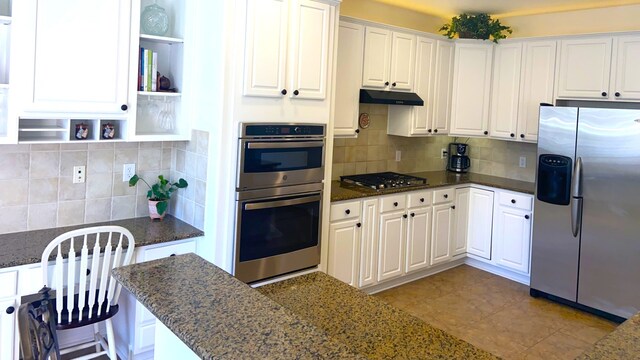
268	163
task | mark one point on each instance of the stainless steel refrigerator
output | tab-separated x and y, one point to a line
586	229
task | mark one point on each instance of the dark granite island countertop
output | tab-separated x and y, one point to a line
219	317
435	179
622	343
26	247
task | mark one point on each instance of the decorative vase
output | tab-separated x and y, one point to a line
154	20
153	210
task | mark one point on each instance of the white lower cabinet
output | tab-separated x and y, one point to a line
461	222
512	232
418	239
480	223
344	242
369	243
8	328
392	236
441	233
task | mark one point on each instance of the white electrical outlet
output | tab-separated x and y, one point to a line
78	174
398	155
523	161
128	170
443	153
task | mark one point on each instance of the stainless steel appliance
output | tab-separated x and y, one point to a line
383	180
586	233
280	155
458	158
278	199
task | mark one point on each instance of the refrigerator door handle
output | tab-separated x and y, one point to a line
576	184
576	215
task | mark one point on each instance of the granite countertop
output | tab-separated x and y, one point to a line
435	179
26	247
622	343
222	317
367	325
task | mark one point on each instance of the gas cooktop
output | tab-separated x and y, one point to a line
383	180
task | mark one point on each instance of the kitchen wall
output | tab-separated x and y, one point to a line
392	15
375	151
37	191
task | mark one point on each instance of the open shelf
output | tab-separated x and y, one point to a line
53	128
159	93
5	20
161	39
4	86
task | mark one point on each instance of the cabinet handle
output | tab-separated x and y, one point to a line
296	92
395	203
413	214
172	255
359	224
421	199
357	131
10	310
404	216
88	272
513	201
445	196
526	217
512	135
124	107
521	136
486	132
347	211
283	92
429	130
617	94
435	131
386	83
394	84
453	207
604	93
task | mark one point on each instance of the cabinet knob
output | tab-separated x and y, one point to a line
446	196
172	255
604	93
404	216
283	92
124	107
513	201
88	272
347	211
10	310
512	135
296	92
521	136
617	94
453	207
421	199
435	131
526	217
386	83
357	131
395	203
394	84
413	214
429	130
486	132
359	224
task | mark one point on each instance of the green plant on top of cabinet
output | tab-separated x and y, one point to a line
389	59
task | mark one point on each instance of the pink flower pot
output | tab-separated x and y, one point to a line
153	210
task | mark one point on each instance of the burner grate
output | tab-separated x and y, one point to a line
383	180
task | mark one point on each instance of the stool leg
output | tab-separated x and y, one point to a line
111	340
96	336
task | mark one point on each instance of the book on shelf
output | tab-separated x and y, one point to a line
140	68
154	72
148	70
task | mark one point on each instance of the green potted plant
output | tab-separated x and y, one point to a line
480	26
159	194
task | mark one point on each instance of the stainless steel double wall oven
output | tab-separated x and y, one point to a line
278	199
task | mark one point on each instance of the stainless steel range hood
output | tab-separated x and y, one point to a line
390	98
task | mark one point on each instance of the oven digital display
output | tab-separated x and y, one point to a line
285	130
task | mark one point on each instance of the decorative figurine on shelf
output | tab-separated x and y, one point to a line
164	83
154	20
108	131
82	131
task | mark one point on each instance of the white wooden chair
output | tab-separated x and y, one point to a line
86	293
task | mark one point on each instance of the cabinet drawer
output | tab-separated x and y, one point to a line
518	201
9	281
420	198
393	202
343	211
168	250
443	196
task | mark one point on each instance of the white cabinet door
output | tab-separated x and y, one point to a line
626	84
8	329
471	88
403	61
392	237
505	90
309	48
443	87
585	68
480	223
461	222
538	78
369	243
441	233
512	236
74	56
343	251
348	79
265	56
377	50
425	68
418	239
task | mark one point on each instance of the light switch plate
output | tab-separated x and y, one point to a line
398	155
523	161
78	174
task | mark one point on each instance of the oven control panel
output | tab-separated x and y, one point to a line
282	130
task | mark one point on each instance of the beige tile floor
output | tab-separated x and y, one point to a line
498	315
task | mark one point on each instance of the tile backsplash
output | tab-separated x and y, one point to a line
37	191
375	151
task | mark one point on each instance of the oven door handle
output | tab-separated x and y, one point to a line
281	203
282	145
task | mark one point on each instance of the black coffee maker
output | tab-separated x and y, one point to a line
458	158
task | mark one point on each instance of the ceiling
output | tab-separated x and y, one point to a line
502	8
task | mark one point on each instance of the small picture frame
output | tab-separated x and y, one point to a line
108	131
82	131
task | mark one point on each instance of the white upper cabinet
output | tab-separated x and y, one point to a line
507	66
626	84
443	87
425	69
471	88
389	60
74	56
585	68
348	78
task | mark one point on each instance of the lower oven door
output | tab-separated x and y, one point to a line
277	235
